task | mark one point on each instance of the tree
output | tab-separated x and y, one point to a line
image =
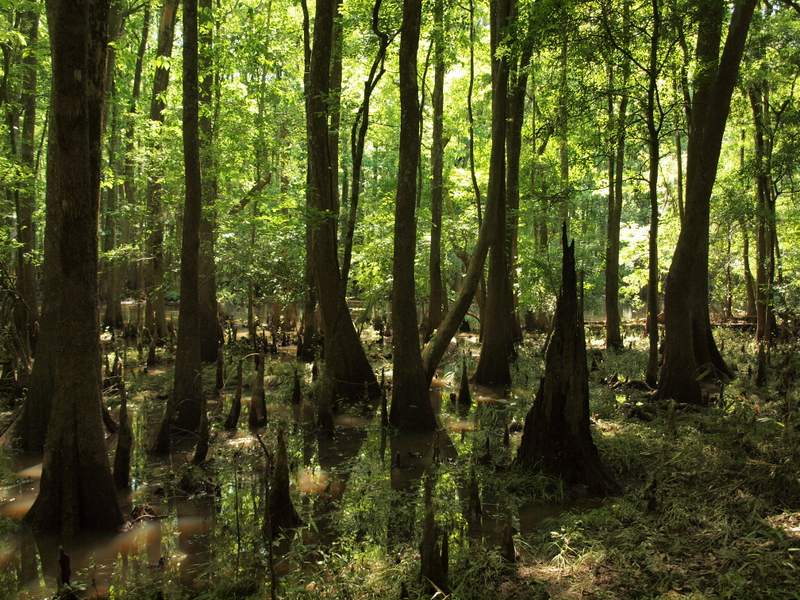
209	321
497	346
689	346
155	317
411	407
344	356
556	436
77	489
185	407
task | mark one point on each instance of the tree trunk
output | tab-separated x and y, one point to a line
209	320
689	343
77	490
411	407
436	300
155	317
498	345
654	155
613	320
358	136
344	355
185	406
750	285
557	436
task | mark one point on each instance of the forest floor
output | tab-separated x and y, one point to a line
709	507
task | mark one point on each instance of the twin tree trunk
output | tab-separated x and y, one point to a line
345	359
411	406
498	343
689	346
556	436
185	407
77	490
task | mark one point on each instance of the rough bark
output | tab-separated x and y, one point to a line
411	408
77	489
344	356
689	343
556	436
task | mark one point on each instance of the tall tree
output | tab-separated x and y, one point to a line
155	316
411	406
77	491
185	406
498	344
209	321
437	292
689	342
616	173
345	359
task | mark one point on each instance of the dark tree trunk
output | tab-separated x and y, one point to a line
557	436
436	301
122	456
77	490
344	356
185	406
613	335
209	321
750	285
411	407
155	317
498	344
689	343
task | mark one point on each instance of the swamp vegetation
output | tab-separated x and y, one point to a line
399	299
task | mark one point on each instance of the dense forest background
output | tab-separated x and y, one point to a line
544	252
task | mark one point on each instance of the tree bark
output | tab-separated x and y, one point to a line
556	436
209	320
613	320
155	317
689	343
411	407
498	345
77	490
184	408
344	355
436	300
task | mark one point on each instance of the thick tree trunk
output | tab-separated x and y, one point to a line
498	344
185	406
411	407
557	436
344	356
689	347
155	316
77	490
209	320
